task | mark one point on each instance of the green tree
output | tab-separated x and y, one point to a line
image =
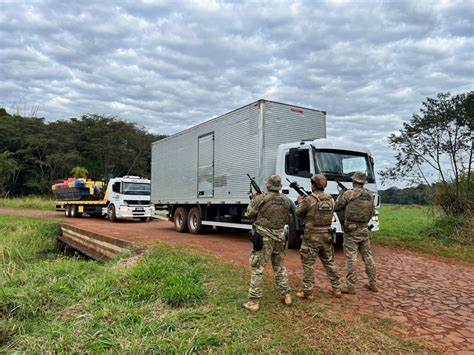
436	146
8	168
79	172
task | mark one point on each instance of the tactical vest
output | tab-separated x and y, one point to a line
274	211
360	206
320	212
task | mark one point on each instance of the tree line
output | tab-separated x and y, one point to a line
35	153
419	195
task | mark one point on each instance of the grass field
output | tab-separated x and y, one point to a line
28	203
171	301
407	226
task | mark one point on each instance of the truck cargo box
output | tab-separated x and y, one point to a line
208	163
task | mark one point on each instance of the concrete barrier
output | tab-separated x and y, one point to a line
97	246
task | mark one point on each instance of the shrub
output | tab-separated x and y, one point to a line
452	229
455	199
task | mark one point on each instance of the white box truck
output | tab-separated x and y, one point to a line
200	175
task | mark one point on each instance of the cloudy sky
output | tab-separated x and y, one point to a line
168	65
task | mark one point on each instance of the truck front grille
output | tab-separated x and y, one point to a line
138	203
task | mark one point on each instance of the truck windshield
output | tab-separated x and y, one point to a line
133	188
341	164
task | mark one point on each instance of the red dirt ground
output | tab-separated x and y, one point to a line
430	296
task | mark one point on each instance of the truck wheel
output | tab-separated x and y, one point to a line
75	211
67	211
112	217
294	240
144	219
195	221
181	220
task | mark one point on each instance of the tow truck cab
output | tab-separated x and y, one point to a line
129	197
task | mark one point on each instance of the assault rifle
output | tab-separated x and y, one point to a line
255	186
341	185
294	185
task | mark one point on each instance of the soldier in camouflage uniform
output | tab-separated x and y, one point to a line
317	211
271	212
358	206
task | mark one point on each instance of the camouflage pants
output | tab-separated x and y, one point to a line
275	251
351	247
313	246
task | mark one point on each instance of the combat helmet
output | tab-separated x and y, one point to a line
359	177
319	181
273	183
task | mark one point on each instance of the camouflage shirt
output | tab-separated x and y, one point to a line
271	211
317	212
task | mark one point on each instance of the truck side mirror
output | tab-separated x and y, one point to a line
293	161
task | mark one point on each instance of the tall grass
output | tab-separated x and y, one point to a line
29	203
23	240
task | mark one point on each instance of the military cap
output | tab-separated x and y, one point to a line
273	183
359	177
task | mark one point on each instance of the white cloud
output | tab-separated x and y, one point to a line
169	65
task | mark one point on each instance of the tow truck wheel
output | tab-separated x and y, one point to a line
67	211
75	211
181	220
112	217
195	221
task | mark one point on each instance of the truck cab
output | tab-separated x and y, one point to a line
336	160
128	197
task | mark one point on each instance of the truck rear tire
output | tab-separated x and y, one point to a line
112	217
195	221
181	220
67	211
75	211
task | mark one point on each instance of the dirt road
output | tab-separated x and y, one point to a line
431	297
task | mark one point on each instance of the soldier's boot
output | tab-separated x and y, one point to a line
302	296
286	299
348	289
336	293
253	305
372	287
